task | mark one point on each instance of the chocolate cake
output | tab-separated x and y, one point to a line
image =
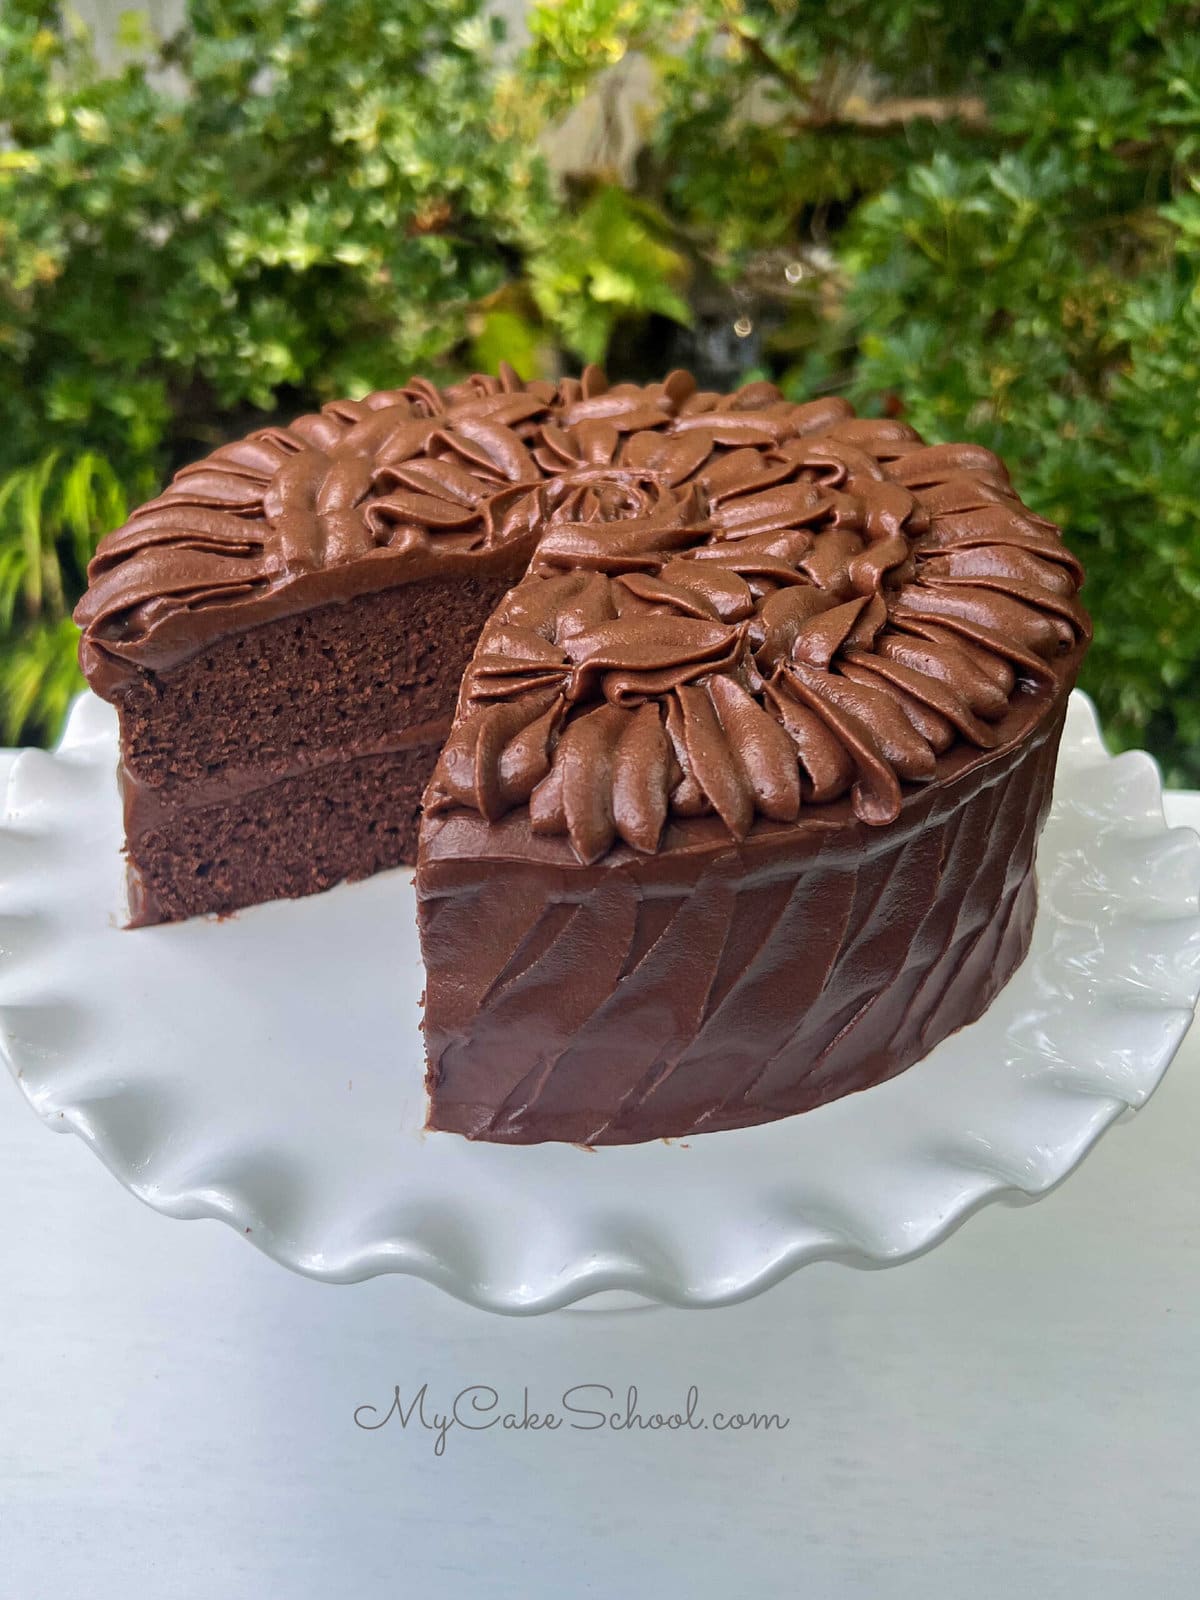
735	722
283	632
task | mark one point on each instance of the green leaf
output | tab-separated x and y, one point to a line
39	677
507	336
286	202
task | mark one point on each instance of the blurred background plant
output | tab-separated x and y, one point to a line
985	218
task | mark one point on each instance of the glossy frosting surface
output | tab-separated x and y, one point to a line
715	986
736	606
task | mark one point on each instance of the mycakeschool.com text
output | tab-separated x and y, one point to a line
582	1409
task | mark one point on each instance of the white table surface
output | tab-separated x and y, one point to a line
1018	1412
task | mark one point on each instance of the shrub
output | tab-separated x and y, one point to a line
989	217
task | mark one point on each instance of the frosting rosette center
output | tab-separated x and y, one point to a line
604	519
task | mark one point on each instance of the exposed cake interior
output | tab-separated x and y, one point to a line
333	824
292	756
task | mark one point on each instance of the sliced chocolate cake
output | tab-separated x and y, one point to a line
283	632
757	712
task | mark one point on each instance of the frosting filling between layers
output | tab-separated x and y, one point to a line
278	724
298	836
146	806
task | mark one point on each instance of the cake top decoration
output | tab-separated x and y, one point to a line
735	605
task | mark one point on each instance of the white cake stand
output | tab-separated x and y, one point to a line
267	1069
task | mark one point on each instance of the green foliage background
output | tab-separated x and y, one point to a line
984	216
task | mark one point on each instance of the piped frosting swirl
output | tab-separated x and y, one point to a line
734	606
810	604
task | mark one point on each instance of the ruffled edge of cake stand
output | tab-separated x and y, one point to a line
1106	996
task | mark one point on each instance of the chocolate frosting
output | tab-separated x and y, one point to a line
735	606
711	986
749	608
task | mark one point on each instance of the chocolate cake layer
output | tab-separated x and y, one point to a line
302	690
716	985
365	495
256	770
298	836
301	598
